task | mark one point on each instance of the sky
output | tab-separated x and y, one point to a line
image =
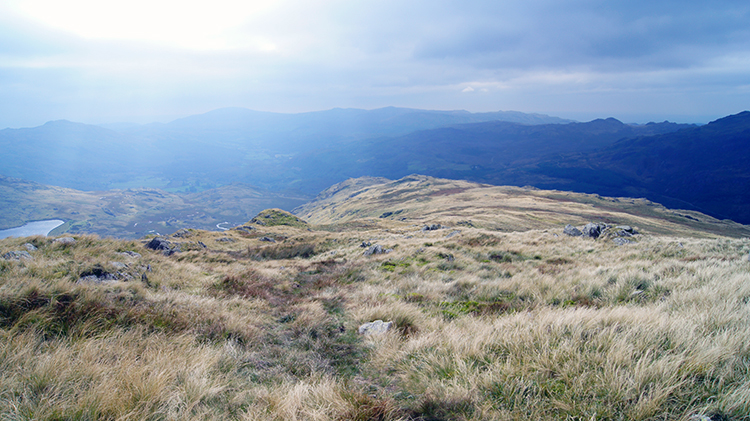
141	61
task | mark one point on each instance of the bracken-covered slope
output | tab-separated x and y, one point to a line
421	199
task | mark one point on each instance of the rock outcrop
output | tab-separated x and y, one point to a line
572	231
376	249
17	255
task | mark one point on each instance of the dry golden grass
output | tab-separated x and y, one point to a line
489	325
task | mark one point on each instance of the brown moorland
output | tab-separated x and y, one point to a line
497	314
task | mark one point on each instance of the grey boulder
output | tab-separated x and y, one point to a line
572	231
66	241
375	328
592	230
17	255
375	249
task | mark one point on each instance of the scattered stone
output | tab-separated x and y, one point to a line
159	243
375	328
592	230
572	231
225	240
132	254
118	265
268	239
200	243
66	241
621	241
183	233
627	228
433	227
453	233
17	255
245	228
365	244
30	247
447	256
97	274
375	249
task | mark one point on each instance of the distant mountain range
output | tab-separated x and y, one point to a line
208	150
684	166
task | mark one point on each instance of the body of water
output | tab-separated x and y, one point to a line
32	228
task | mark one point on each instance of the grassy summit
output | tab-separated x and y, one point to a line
262	323
277	217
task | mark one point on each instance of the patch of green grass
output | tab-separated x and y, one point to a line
391	266
277	217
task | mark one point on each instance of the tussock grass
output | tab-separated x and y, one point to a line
488	325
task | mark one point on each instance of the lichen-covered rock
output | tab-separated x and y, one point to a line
30	247
375	328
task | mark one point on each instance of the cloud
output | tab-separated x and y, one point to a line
293	55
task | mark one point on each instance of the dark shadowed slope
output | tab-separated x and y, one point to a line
487	152
705	168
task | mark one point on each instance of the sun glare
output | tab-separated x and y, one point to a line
184	24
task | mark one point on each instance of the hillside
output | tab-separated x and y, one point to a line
703	167
496	313
420	199
488	152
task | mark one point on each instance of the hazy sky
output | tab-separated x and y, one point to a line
100	61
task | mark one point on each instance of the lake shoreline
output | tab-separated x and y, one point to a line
31	228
